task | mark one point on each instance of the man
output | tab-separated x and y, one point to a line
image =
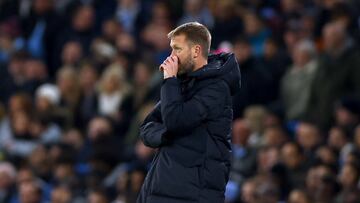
30	192
337	75
191	125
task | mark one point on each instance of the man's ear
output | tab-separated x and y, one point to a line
197	51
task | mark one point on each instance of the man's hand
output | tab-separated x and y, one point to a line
170	67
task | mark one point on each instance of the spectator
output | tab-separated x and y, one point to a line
40	31
61	194
40	163
276	61
298	196
267	191
129	185
349	176
248	191
69	88
30	192
254	76
97	196
7	181
9	30
88	84
102	146
36	74
16	139
154	34
267	158
196	10
321	184
338	140
112	92
256	32
274	136
71	54
15	78
244	158
336	75
327	155
293	159
227	24
308	136
127	14
47	100
110	30
102	52
81	30
347	112
145	93
349	179
297	81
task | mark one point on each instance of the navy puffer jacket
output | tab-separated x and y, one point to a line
191	126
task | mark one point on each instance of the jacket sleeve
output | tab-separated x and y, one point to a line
181	116
152	131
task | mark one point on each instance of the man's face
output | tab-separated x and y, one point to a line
290	156
182	49
28	193
334	35
242	52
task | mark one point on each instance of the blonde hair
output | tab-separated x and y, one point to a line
115	71
195	33
72	95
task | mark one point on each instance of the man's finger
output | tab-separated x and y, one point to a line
168	60
176	59
172	59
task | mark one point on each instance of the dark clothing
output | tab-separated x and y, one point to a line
336	77
8	8
84	38
243	163
277	66
53	26
226	30
192	126
9	87
256	86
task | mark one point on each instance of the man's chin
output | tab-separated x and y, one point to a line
181	72
184	71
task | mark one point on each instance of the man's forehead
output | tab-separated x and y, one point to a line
177	39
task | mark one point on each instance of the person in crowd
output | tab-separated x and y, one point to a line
254	76
297	81
197	10
7	181
336	76
113	89
293	158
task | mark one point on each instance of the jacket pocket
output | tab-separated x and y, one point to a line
216	175
171	179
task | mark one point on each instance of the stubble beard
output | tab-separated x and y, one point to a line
186	67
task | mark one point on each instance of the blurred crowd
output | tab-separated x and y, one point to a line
77	78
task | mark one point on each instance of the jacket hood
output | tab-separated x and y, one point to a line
223	66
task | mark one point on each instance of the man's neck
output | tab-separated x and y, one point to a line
200	63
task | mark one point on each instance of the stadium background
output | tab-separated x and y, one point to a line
77	78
